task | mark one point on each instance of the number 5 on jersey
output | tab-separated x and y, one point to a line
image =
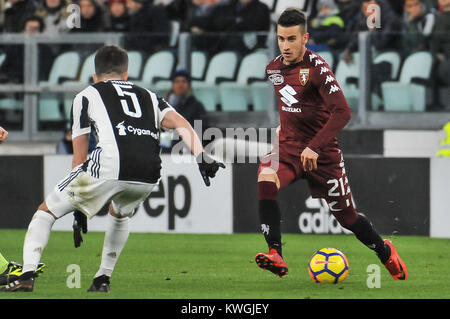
124	101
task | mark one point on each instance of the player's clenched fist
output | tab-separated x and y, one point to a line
208	167
309	159
3	134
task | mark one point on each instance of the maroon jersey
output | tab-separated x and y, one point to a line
312	107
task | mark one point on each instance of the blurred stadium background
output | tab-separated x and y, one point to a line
393	77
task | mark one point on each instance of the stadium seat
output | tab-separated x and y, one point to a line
159	66
85	77
236	96
328	57
134	65
394	59
198	66
2	58
175	27
261	92
408	94
221	66
8	101
86	72
65	66
281	5
345	71
391	57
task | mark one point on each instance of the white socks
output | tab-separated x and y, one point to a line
38	235
115	238
36	239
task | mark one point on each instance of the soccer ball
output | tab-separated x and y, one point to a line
328	265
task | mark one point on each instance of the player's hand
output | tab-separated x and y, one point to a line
278	129
208	167
79	225
309	159
3	134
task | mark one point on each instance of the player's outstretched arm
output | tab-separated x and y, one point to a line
207	166
80	149
3	134
173	120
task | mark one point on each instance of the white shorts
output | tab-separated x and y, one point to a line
80	191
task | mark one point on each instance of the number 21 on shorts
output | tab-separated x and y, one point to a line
338	188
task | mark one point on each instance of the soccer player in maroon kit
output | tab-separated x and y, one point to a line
313	110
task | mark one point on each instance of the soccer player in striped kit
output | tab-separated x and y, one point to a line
122	170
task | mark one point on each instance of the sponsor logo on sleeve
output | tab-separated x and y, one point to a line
329	79
324	69
334	88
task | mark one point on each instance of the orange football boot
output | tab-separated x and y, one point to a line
395	264
273	262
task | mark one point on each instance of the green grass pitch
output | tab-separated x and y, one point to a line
191	266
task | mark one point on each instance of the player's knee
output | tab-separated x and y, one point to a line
346	217
267	190
343	211
43	207
267	174
111	210
114	212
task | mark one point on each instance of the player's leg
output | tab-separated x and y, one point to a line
78	187
269	183
331	182
11	271
57	204
270	180
3	264
121	208
36	239
366	233
116	236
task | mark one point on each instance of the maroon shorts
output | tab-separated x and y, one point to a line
329	181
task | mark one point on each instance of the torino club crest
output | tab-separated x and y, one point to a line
303	76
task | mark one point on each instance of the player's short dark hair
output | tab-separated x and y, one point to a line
111	59
292	17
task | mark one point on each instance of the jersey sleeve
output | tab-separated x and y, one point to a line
334	100
81	123
160	108
163	108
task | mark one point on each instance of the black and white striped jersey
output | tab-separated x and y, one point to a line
127	120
